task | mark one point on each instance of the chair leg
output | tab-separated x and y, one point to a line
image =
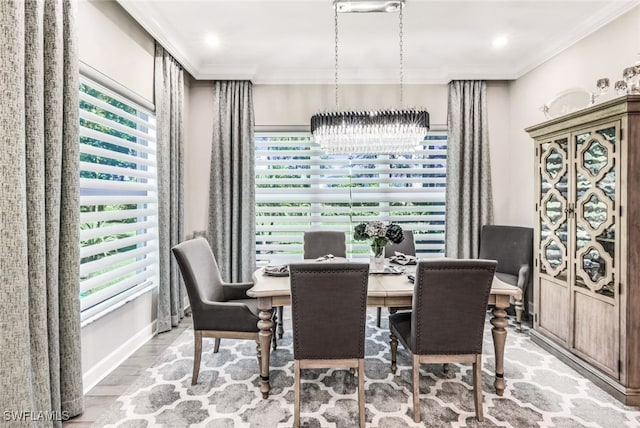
416	389
197	353
258	353
477	387
296	394
445	368
280	321
379	316
216	346
361	391
394	352
274	338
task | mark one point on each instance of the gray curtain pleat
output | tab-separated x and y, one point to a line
169	97
40	357
232	194
468	199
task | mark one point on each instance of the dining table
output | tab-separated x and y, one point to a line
390	288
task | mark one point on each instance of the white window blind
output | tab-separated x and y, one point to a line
118	199
299	188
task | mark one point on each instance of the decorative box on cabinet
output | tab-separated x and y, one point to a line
587	243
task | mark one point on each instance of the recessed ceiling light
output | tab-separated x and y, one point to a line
499	41
212	40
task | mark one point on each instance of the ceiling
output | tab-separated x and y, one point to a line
292	42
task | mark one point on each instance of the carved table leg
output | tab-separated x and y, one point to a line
280	322
499	322
519	310
264	336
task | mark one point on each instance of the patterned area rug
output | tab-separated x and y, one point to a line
541	391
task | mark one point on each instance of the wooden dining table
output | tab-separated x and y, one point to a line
388	290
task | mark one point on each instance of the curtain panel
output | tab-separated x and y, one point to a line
169	100
468	196
232	183
40	358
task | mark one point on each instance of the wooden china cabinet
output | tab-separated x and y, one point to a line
587	243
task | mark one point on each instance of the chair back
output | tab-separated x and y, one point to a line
328	309
406	246
449	305
511	246
318	243
199	271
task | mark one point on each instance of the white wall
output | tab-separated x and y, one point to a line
603	54
111	42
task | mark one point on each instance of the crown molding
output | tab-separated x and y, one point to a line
208	71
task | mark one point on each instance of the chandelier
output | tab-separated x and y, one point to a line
364	132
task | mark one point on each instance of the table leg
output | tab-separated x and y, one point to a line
264	336
519	310
499	333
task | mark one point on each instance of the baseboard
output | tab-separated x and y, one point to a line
101	370
628	396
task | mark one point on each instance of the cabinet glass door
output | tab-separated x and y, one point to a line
553	208
595	210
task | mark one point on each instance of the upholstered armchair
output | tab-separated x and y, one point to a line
328	306
219	309
446	323
512	247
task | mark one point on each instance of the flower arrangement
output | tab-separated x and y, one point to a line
379	235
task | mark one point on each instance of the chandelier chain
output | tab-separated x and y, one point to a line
335	25
401	62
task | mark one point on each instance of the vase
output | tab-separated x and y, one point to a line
377	257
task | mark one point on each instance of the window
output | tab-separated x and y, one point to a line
118	205
299	188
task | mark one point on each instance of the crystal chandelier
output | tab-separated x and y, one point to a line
363	132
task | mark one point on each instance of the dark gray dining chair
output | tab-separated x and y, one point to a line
512	247
406	246
220	310
316	243
328	307
446	323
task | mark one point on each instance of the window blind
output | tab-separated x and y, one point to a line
299	188
118	199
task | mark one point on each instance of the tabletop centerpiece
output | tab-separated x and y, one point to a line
379	235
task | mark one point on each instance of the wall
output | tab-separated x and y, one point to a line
111	42
603	54
293	105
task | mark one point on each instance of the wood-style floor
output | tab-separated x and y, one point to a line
100	398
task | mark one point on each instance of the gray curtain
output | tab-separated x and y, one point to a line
232	194
169	97
468	201
39	207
